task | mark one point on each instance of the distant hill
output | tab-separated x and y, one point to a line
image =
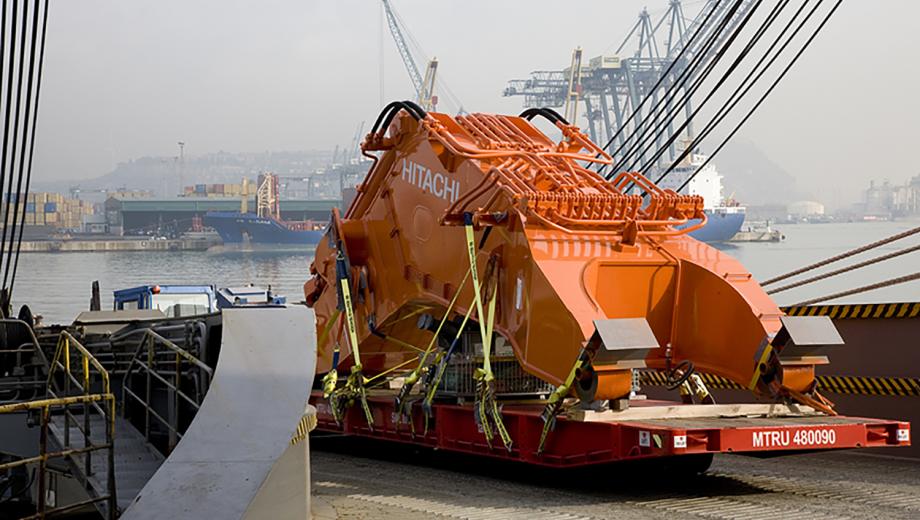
752	177
165	176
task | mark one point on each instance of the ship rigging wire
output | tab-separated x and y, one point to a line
658	83
652	134
755	39
746	85
846	269
763	97
16	161
841	256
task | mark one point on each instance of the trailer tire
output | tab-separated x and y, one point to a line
689	465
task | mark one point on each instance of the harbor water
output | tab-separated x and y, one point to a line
57	285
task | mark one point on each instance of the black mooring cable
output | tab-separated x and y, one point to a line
764	96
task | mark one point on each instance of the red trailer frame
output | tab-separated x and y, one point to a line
598	439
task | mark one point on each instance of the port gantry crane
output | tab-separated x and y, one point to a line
424	86
614	86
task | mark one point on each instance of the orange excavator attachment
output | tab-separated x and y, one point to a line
480	230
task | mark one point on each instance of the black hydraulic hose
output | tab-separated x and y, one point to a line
764	96
641	130
746	84
671	114
38	87
755	39
22	153
551	115
661	78
419	112
389	112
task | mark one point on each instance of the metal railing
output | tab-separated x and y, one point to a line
23	378
73	377
162	363
116	351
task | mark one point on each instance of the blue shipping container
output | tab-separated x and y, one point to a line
51	207
30	207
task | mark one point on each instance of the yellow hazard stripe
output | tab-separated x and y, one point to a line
869	310
304	427
852	385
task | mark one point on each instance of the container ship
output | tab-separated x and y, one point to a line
265	226
725	216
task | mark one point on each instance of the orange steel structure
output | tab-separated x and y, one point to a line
556	246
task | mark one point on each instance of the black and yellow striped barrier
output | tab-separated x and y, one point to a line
305	426
851	311
853	385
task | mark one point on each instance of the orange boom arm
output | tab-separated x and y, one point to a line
561	248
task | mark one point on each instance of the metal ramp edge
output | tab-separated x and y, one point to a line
261	384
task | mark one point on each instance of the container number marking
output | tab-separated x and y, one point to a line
784	438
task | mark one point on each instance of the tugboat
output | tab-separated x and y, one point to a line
266	225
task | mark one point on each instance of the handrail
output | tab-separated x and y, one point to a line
67	343
29	347
155	346
77	392
45	406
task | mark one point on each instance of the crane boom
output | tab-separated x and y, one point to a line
416	77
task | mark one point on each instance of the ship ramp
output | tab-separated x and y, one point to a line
247	420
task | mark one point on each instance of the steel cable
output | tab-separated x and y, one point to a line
661	78
764	96
864	288
846	269
38	87
7	114
755	39
843	255
25	134
745	85
639	133
758	34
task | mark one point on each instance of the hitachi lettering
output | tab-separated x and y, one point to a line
435	183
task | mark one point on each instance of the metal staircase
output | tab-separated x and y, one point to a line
111	455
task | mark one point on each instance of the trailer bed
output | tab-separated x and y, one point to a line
649	429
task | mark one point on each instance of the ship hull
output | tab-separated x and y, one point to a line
721	226
238	228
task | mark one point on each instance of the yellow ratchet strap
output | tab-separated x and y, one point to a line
414	376
555	401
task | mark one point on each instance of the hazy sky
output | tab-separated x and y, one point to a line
128	78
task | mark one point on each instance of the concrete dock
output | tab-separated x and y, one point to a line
133	244
383	481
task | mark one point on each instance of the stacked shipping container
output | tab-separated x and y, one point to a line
213	190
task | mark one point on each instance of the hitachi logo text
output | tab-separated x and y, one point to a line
436	183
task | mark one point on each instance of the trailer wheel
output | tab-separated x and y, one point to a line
689	465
